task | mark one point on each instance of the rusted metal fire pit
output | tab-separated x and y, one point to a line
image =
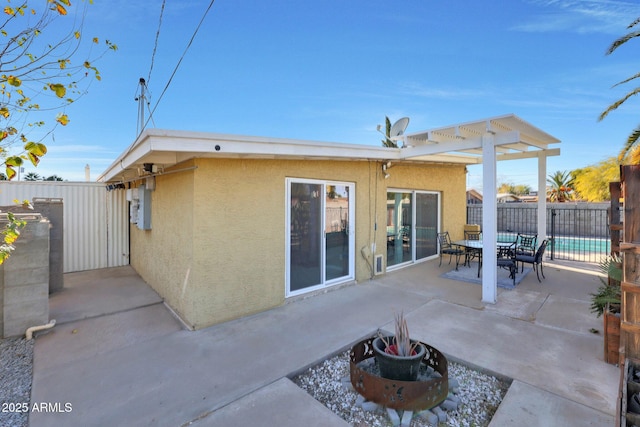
406	395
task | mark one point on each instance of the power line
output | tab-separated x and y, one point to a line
155	45
175	70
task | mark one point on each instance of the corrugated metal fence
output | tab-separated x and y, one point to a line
96	227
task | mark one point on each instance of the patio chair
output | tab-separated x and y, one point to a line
535	260
471	254
507	260
447	248
526	244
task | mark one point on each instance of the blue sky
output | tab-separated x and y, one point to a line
331	70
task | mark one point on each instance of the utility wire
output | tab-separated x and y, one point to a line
155	45
175	70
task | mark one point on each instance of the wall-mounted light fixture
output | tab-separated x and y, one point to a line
150	168
386	166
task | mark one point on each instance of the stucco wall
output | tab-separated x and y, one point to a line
450	180
241	205
216	250
163	256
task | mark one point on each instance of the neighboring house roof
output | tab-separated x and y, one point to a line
456	144
529	199
474	194
501	197
507	197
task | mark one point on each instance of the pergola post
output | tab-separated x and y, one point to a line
542	196
489	220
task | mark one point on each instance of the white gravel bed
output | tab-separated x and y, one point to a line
480	395
16	372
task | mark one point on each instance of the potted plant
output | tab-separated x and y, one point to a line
606	303
398	356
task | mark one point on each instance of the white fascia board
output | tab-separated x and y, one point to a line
158	142
274	147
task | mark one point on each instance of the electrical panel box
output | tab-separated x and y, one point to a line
144	208
134	205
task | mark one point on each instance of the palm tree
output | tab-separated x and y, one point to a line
633	138
53	178
388	142
32	176
561	189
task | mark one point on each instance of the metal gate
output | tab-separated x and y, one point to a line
578	232
96	226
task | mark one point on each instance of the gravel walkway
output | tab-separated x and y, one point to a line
480	395
16	372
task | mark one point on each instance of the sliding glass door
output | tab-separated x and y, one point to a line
427	208
399	225
320	238
412	225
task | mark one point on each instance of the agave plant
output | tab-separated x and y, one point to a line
400	344
607	298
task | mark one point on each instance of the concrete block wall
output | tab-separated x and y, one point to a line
24	279
53	210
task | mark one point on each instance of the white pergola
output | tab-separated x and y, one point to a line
487	141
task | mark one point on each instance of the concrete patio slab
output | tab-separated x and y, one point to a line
136	366
73	342
564	363
184	375
99	292
518	304
282	403
568	313
525	405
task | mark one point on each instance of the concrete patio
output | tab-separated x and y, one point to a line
120	357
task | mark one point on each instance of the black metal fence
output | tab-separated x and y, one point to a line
579	232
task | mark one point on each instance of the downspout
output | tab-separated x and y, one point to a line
31	330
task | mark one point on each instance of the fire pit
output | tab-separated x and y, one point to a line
424	393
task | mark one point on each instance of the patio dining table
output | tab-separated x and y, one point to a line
476	245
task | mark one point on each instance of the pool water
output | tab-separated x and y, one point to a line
570	244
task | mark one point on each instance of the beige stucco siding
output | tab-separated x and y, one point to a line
450	180
163	256
217	246
240	206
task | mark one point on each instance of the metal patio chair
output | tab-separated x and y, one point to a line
447	248
526	244
535	260
507	260
471	254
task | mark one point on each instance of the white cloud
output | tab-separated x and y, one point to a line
581	16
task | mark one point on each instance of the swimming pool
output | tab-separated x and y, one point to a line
590	249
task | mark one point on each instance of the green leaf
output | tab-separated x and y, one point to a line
34	159
59	89
36	148
10	173
13	161
63	119
14	81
